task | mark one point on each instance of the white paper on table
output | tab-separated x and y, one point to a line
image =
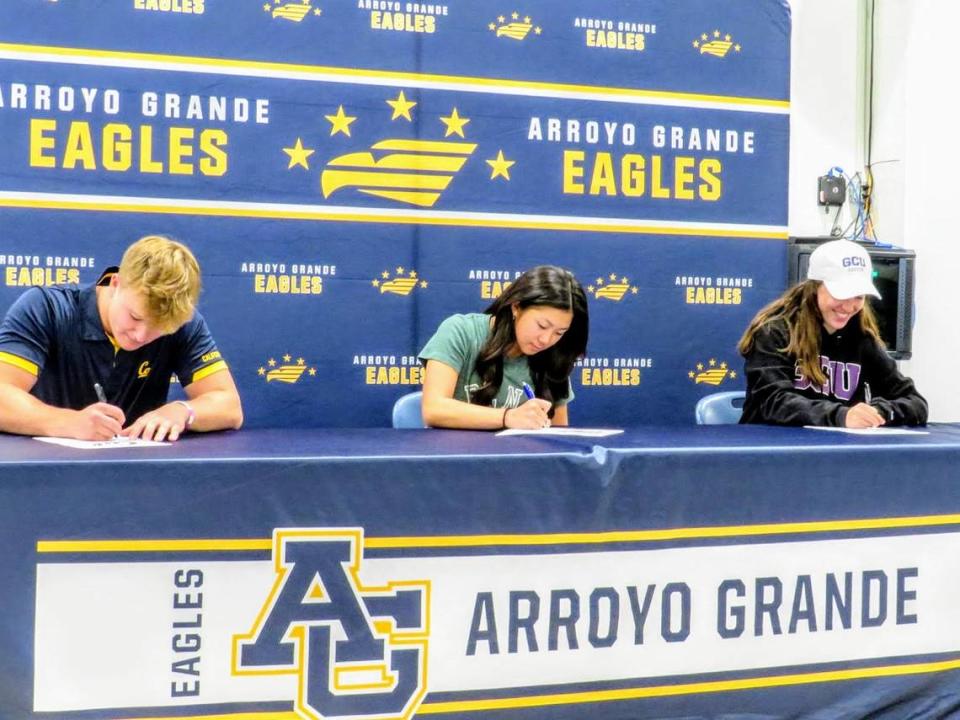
117	442
870	431
563	431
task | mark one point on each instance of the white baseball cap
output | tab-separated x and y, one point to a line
844	267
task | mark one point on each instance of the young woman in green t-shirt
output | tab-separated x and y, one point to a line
478	366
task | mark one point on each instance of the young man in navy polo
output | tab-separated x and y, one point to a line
94	362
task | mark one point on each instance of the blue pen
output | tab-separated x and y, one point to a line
528	391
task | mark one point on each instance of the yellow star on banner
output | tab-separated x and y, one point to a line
286	358
401	107
454	124
515	15
501	18
261	371
423	284
375	283
271	362
340	122
537	30
501	166
400	270
298	155
313	371
733	374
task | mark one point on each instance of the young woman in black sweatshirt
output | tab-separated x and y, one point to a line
814	355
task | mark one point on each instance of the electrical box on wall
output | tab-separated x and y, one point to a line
831	190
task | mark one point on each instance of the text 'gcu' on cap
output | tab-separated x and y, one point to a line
844	267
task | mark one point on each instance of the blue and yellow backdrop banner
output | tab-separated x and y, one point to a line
349	173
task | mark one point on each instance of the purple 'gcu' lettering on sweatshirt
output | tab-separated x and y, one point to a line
842	379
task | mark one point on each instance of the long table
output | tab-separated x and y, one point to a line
681	572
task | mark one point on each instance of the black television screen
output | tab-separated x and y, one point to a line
893	270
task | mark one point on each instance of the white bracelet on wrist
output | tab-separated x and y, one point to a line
192	415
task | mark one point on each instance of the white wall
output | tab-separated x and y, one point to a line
914	126
824	105
931	159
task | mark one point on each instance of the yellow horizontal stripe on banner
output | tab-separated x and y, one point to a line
213	545
399	218
22	363
434	146
662	535
228	716
678	98
428	708
110	546
686	689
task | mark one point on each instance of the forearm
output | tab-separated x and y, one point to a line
23	414
907	410
450	413
215	410
789	407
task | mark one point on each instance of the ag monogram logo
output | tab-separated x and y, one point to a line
358	651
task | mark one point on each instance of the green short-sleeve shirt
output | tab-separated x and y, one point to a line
457	343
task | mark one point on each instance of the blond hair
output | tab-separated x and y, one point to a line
166	275
799	310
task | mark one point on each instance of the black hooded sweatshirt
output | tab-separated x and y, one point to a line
856	368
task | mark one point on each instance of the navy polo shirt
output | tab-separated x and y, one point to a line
55	334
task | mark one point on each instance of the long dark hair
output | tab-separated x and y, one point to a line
798	308
545	285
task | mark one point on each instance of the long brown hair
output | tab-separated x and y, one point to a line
549	286
798	308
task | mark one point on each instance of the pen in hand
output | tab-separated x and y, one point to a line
101	397
528	391
866	393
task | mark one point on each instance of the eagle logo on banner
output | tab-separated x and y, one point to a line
409	171
716	43
294	11
612	289
514	28
711	373
415	172
287	372
403	283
